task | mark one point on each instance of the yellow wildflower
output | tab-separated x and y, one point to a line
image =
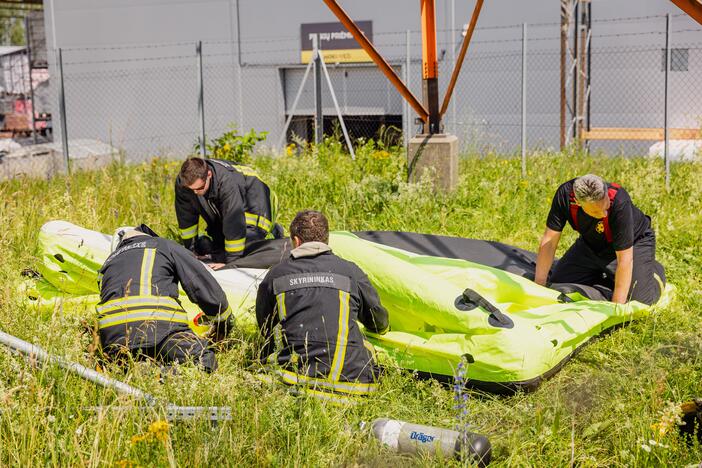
140	438
670	419
159	429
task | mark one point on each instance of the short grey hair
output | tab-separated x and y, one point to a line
589	188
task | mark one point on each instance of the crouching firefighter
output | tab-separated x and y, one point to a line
237	206
139	313
307	308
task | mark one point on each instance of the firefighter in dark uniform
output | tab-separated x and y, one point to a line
139	312
616	248
307	307
236	205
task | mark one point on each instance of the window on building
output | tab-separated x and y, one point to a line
678	59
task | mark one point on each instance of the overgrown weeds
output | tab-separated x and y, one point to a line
598	411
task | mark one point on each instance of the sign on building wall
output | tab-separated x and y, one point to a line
336	42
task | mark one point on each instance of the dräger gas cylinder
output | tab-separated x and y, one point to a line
405	437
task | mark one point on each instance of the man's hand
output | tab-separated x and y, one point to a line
220	330
216	266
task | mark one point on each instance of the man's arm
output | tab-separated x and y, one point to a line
201	287
372	314
233	223
186	214
622	276
547	252
265	308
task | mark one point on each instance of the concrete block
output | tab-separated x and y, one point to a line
437	154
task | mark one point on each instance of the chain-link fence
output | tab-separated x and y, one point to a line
141	101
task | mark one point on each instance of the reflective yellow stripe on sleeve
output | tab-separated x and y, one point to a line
255	220
223	316
251	219
246	170
265	224
189	232
280	300
236	245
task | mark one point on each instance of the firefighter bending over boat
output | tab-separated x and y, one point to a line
236	205
307	307
616	248
139	312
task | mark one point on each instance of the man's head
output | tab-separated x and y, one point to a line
196	175
309	226
591	194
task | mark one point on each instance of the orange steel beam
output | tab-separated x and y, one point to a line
378	59
461	55
692	7
430	67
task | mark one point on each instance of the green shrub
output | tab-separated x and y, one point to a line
231	146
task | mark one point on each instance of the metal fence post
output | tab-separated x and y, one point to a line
28	39
524	98
666	116
453	62
201	99
405	104
240	74
62	111
318	116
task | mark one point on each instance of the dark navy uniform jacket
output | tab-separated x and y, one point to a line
139	304
307	308
237	208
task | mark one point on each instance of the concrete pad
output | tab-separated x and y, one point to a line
46	160
436	154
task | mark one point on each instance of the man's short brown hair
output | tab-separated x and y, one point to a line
192	170
310	226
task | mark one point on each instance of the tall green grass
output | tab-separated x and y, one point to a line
597	411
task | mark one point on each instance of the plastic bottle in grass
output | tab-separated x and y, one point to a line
406	437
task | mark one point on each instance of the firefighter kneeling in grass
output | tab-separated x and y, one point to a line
139	313
307	307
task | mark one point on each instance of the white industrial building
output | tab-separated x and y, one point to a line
131	74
